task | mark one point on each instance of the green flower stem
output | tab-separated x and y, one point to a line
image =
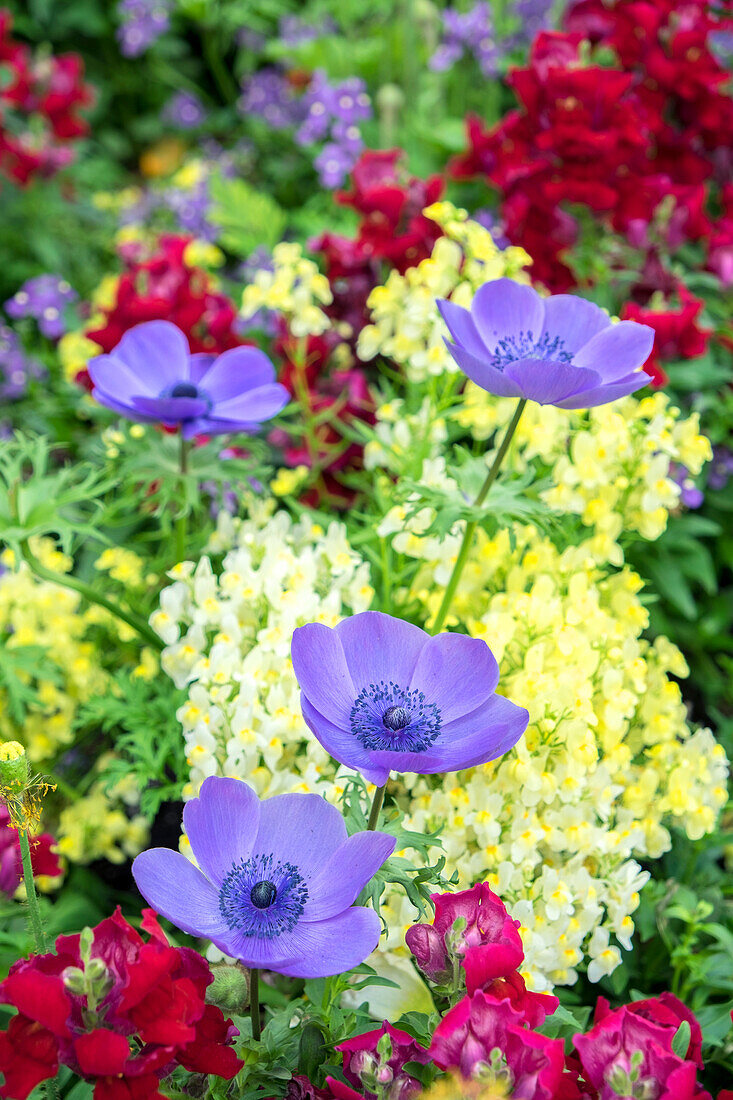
473	524
139	625
377	803
182	521
254	1002
34	913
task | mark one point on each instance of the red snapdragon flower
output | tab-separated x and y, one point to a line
40	99
163	286
391	205
645	1030
81	1007
678	335
43	860
637	143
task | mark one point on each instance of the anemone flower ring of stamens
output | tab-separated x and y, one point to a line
561	350
275	883
381	695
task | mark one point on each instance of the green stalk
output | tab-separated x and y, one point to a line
34	913
473	524
377	802
182	521
254	1002
139	625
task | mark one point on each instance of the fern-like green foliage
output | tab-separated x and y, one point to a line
248	218
140	717
37	499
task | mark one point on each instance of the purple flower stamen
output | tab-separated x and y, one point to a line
386	716
525	346
262	897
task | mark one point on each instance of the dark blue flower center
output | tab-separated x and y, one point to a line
184	389
386	716
396	718
262	897
262	894
524	345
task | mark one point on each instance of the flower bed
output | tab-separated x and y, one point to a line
365	602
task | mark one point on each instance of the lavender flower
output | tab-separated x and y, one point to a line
381	694
468	32
184	110
142	23
267	94
277	882
151	376
293	31
334	110
16	368
720	469
690	495
559	351
333	164
45	298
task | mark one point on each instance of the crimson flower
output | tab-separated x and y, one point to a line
117	1010
391	205
164	286
677	334
40	97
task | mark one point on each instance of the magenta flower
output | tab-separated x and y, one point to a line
382	695
277	880
474	928
152	376
481	1032
560	351
365	1066
633	1043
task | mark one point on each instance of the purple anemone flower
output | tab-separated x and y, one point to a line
381	695
152	376
559	351
277	883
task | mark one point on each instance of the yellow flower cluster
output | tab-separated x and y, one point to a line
122	565
103	823
407	326
36	613
294	287
609	465
607	763
228	639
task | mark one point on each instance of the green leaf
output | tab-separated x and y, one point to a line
248	218
681	1039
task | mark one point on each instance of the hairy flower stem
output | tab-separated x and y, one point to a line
34	913
138	625
377	803
182	521
471	526
254	1002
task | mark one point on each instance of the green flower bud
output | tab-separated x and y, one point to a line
229	990
74	980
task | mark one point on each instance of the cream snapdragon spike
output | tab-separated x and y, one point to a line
381	695
277	880
560	351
